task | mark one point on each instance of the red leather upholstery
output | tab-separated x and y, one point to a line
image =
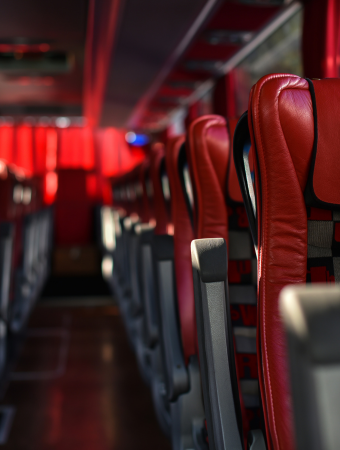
160	207
281	124
183	235
220	213
208	154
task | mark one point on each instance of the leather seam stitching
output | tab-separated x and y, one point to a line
266	226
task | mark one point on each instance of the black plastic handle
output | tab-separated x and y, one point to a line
241	138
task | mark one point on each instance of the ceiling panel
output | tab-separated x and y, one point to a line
149	32
36	86
231	31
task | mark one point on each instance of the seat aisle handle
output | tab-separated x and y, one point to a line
216	351
311	316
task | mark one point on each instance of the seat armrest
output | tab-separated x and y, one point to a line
215	340
176	374
145	234
311	317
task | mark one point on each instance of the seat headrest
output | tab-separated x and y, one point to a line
208	152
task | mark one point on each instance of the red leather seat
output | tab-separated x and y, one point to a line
183	235
208	156
219	212
293	125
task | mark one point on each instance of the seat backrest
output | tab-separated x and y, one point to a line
183	235
293	126
219	212
207	151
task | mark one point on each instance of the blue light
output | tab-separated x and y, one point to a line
136	139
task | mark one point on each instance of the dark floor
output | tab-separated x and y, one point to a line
76	286
76	386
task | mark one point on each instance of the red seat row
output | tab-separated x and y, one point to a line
25	248
203	236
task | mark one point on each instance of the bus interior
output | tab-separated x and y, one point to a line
169	225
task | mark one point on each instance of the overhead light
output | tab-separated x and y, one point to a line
133	138
130	137
62	122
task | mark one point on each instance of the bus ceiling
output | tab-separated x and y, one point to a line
139	64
